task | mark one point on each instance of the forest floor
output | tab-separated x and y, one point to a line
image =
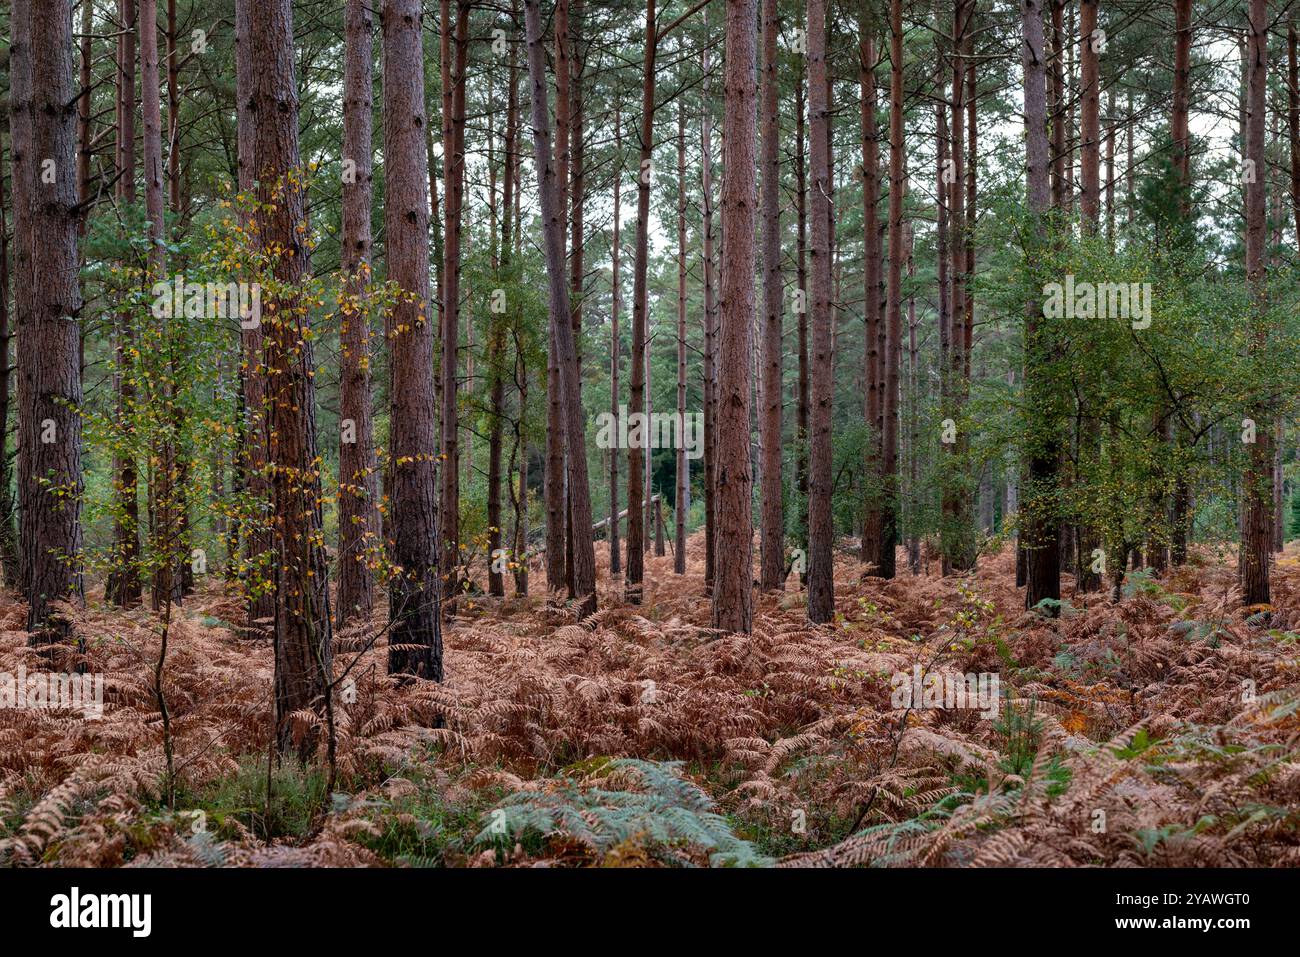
1161	730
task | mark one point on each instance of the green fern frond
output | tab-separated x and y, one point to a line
646	802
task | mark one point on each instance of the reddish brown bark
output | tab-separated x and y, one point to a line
682	492
496	345
733	600
8	530
453	125
958	539
913	388
164	496
637	494
1090	118
302	618
1057	96
519	493
1089	436
577	180
557	497
710	334
821	583
123	587
650	539
1293	116
893	301
871	279
183	569
615	348
1039	525
259	557
359	522
1257	519
435	223
20	136
941	232
561	329
173	117
48	353
84	122
558	570
972	103
801	296
1182	72
415	638
772	545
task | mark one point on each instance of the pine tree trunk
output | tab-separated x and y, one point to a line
972	142
439	250
893	302
657	511
1279	449
577	269
821	583
259	556
174	200
1070	95
1162	424
871	281
496	342
183	574
563	108
637	487
710	331
649	452
553	480
1040	527
1257	528
1089	118
183	571
1087	540
84	121
163	494
914	390
942	261
48	349
683	487
1057	96
1293	116
453	124
1111	133
415	637
615	348
302	618
970	100
122	587
561	328
520	499
801	296
359	523
772	545
733	599
8	530
958	546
